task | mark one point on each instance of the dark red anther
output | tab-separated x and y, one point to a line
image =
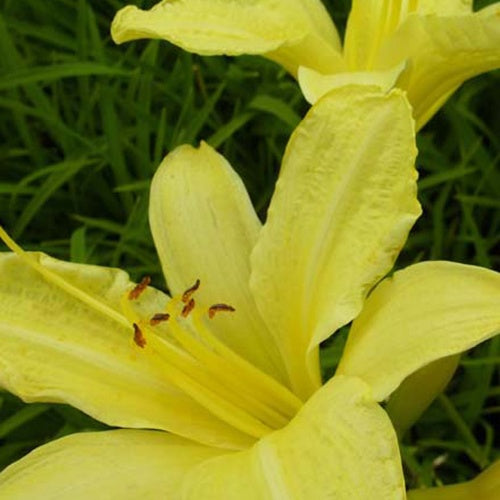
159	318
189	292
139	288
188	308
139	338
212	310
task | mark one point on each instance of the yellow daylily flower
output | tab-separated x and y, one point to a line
426	47
228	365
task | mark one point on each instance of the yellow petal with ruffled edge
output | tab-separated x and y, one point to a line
340	445
485	486
204	227
315	85
443	53
121	464
343	206
79	350
291	32
426	312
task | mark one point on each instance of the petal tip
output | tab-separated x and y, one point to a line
121	30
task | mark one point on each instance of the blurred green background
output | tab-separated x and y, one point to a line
84	125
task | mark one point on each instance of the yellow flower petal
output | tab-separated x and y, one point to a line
372	22
315	85
340	445
444	52
205	227
369	24
321	21
485	486
291	32
444	7
423	313
415	394
57	348
342	209
121	464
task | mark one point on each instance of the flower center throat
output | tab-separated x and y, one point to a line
206	369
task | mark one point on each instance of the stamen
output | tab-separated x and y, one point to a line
189	364
212	310
187	294
188	308
139	288
231	389
200	366
279	396
139	338
218	404
159	318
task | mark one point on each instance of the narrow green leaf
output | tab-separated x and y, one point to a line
46	74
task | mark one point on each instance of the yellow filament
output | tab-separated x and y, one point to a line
60	282
184	365
234	387
278	395
242	387
207	397
128	312
133	317
183	370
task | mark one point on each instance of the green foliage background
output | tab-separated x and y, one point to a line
84	124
